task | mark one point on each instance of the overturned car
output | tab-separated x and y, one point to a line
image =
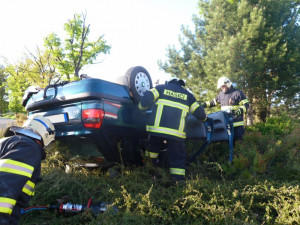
94	115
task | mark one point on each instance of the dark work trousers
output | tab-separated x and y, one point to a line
176	155
238	134
239	131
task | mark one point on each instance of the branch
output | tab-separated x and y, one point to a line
85	31
57	57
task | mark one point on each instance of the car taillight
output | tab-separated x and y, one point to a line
92	118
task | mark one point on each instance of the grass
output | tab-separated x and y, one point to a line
261	186
207	198
9	115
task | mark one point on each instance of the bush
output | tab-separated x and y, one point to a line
260	186
276	125
261	153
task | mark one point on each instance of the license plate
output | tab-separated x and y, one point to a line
59	118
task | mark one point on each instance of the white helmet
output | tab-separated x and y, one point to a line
39	128
224	81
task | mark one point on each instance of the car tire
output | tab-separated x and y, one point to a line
139	81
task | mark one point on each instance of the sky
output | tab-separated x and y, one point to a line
138	31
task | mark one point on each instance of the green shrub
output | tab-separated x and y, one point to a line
260	186
275	125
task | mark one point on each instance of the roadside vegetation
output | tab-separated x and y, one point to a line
260	186
9	115
254	43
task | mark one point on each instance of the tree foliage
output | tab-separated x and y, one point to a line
17	83
76	51
44	67
40	68
32	70
3	91
255	43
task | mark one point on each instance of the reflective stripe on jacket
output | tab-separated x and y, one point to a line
171	105
20	165
7	205
12	166
29	188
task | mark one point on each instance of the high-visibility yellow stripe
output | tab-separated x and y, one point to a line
155	93
12	166
164	130
193	107
173	104
29	188
27	191
182	121
152	155
243	108
161	103
240	123
141	107
244	101
175	94
158	115
177	171
7	205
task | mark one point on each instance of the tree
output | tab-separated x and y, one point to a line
32	70
76	51
39	68
17	83
3	92
44	67
253	42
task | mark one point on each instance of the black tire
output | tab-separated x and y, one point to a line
139	81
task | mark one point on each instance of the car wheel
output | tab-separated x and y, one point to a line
139	81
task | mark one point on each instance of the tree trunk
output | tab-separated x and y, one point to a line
263	112
250	116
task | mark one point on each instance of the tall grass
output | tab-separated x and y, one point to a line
260	186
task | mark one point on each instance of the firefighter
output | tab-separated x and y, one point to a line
21	153
171	103
232	101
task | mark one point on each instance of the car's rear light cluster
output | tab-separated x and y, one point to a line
92	118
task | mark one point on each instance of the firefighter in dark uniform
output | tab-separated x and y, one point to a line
20	165
232	101
171	104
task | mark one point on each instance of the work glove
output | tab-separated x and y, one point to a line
238	112
203	104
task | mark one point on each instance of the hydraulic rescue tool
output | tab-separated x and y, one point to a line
96	208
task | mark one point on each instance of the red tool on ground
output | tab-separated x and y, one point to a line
96	208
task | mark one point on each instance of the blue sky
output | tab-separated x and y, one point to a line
139	31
